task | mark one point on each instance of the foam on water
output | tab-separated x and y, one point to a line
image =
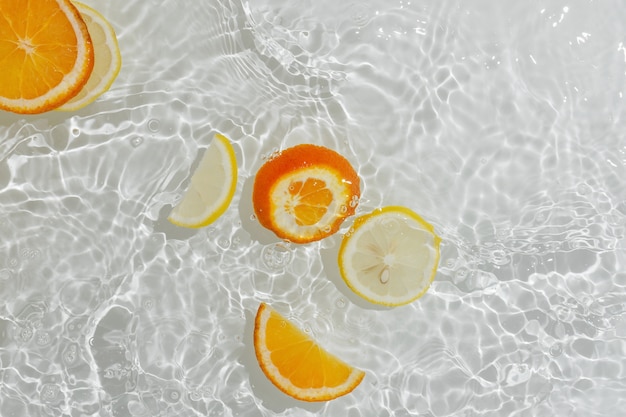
501	123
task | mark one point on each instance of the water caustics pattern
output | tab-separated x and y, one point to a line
502	123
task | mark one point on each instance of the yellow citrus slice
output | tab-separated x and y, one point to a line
107	59
211	189
305	192
389	256
296	364
46	54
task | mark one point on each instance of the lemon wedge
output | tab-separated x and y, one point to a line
211	189
107	59
389	256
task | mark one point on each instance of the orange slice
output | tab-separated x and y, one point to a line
296	364
305	192
107	59
46	54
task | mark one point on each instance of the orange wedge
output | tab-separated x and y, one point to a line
296	364
46	54
305	192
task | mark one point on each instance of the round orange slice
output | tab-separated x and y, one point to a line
305	192
107	59
296	364
46	54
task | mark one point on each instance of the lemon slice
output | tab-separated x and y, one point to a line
107	59
389	256
211	189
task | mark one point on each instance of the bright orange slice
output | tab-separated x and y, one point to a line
107	59
305	192
296	364
46	54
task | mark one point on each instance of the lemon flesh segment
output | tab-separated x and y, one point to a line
211	188
107	59
390	256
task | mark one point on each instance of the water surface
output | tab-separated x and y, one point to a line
501	123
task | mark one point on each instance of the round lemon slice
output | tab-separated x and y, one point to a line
107	59
211	189
389	256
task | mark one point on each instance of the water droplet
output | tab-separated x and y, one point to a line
136	141
154	125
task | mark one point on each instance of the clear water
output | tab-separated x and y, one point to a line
503	123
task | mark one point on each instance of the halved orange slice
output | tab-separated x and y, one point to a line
46	54
296	364
305	192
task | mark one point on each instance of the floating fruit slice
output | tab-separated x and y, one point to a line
46	54
296	364
107	59
305	192
389	256
211	189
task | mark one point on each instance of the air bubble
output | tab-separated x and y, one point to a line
343	209
75	132
171	395
276	256
340	303
136	141
26	334
148	304
49	393
42	338
70	354
253	217
556	350
154	125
